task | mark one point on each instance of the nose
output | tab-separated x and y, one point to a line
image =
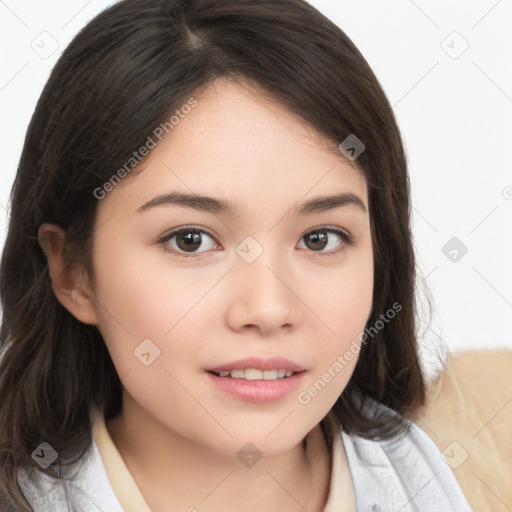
263	299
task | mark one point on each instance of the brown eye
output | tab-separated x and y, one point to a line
317	240
331	239
188	241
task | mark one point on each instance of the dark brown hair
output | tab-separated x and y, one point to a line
120	77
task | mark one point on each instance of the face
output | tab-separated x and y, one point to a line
187	290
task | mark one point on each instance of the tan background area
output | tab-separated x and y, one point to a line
469	417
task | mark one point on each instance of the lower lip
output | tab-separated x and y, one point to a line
259	391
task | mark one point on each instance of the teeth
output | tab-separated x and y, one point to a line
270	374
253	374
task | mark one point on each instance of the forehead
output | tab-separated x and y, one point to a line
240	143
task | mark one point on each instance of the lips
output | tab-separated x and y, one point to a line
256	379
257	391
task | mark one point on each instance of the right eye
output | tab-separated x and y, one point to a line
187	240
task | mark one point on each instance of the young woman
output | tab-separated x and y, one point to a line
207	283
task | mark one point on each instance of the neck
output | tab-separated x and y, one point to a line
170	469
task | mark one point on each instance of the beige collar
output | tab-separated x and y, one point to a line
121	480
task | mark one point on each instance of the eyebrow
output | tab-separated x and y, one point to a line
223	206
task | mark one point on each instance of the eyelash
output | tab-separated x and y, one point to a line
346	238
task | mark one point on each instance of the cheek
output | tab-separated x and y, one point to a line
343	304
343	299
142	291
140	297
149	321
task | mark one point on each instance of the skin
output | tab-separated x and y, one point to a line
179	434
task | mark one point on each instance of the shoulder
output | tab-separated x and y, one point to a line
406	472
85	487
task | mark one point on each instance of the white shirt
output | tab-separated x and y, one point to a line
406	474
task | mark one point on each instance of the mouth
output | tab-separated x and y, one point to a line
257	380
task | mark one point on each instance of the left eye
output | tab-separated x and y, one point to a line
188	240
325	240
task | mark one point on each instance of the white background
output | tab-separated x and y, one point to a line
454	109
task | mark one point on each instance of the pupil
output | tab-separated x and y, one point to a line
191	240
319	240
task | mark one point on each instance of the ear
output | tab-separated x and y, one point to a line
68	283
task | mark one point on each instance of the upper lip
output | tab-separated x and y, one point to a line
272	363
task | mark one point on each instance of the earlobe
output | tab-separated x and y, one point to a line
67	282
